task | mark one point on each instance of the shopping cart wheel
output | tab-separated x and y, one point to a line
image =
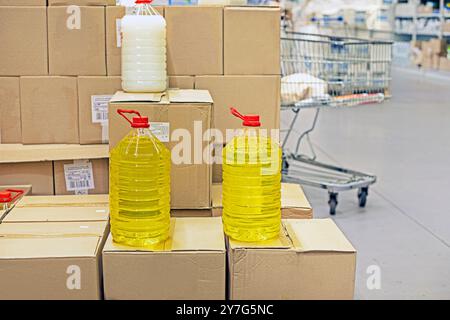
333	202
362	196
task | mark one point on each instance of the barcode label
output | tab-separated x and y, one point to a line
161	130
79	176
99	107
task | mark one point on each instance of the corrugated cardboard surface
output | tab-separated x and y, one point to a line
87	87
194	40
57	214
249	94
190	183
82	2
317	262
113	52
180	213
37	174
10	127
77	51
49	108
65	201
23	32
41	260
100	170
190	265
23	2
294	204
181	82
251	40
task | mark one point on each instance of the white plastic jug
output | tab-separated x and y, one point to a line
144	66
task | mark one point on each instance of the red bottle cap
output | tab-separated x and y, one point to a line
250	120
137	122
6	195
143	1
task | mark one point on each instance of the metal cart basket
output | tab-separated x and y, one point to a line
321	71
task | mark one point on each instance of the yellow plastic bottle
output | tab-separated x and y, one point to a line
251	184
139	186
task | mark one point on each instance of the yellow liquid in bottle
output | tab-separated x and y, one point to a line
252	188
140	190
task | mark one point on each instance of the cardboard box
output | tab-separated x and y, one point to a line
311	259
181	82
10	129
37	174
252	40
82	2
93	98
294	204
177	109
52	213
190	265
249	94
23	32
51	260
113	51
438	46
100	200
194	40
81	176
79	50
49	108
28	3
188	213
444	64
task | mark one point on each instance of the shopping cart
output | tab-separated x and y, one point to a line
319	72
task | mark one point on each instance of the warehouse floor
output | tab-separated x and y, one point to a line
405	228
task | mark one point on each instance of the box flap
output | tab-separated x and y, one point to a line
46	247
121	96
57	214
189	96
52	229
317	235
91	200
186	234
292	196
282	242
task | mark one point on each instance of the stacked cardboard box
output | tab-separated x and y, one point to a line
53	252
433	54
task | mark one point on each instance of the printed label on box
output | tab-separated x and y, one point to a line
99	105
79	176
161	130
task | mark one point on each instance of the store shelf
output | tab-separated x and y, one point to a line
12	153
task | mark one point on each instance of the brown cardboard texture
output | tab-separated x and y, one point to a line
113	51
194	40
93	97
99	179
249	94
251	40
49	108
82	2
57	214
37	174
176	109
23	32
28	3
438	46
189	265
80	49
97	200
51	260
187	213
296	266
10	129
181	82
294	204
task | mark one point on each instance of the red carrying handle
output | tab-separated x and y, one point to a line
143	1
6	195
250	120
123	111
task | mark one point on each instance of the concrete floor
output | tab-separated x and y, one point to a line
405	228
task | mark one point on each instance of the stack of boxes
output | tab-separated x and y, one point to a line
434	54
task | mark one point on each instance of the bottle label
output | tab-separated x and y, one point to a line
99	107
79	177
161	130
